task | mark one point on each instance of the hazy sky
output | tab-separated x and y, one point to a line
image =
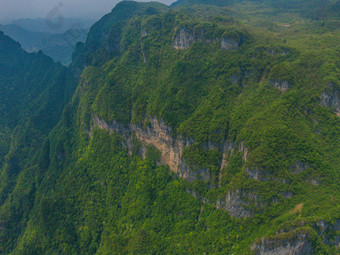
15	9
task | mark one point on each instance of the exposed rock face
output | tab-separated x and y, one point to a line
234	203
298	246
227	147
114	127
281	85
158	135
143	34
330	99
263	175
244	150
297	240
144	56
229	44
326	231
183	39
258	175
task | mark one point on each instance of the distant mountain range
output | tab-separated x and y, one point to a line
44	25
58	43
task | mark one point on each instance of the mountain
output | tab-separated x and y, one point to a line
193	129
58	46
315	9
33	92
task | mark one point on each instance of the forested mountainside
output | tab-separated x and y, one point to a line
193	129
32	88
33	93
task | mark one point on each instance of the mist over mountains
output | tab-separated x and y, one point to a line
44	25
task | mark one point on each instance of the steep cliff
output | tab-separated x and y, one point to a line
189	132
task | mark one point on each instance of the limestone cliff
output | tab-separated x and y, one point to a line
276	246
183	39
229	44
330	99
158	134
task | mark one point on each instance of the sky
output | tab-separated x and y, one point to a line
93	9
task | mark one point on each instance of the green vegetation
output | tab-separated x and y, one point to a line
70	187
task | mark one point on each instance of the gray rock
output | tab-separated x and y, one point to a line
328	232
257	175
300	245
281	85
330	99
234	204
229	44
183	39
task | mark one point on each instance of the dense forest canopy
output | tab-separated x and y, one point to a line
204	127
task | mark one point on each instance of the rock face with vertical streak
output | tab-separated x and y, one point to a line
229	44
330	99
300	245
158	134
183	39
234	204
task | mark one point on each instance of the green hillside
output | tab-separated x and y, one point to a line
202	128
33	93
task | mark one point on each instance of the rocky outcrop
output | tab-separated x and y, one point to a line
283	245
329	232
158	134
227	148
281	85
183	39
244	150
229	44
235	204
330	99
263	175
256	174
296	239
143	34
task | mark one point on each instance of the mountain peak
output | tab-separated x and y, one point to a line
8	43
